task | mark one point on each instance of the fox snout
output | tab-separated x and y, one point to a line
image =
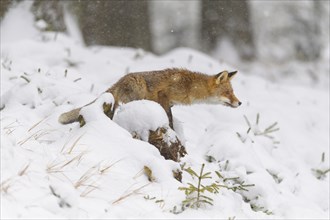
227	102
233	104
236	104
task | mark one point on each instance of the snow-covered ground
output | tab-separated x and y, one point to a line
50	170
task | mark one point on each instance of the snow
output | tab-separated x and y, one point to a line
139	117
50	170
9	31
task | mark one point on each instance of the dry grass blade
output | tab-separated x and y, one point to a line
28	138
9	130
36	135
36	124
88	190
140	173
73	145
88	178
105	169
25	78
23	171
41	134
82	181
247	121
11	127
271	128
78	158
57	167
129	194
5	185
257	119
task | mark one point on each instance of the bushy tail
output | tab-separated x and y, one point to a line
69	117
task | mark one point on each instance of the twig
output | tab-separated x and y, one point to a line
76	80
26	79
247	121
257	119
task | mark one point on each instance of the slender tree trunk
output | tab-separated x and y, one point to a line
231	19
117	23
4	6
52	12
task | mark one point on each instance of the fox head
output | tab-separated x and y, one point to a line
223	90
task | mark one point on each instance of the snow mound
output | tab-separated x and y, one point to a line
140	117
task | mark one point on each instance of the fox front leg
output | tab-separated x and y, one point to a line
170	117
164	102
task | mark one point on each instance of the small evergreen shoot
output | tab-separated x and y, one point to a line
257	208
257	131
235	183
320	173
195	195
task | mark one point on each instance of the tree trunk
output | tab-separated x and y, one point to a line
117	23
52	12
4	6
229	19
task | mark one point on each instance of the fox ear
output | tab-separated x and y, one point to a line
221	77
231	75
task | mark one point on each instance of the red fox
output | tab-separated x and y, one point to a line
169	87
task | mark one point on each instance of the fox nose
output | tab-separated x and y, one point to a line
239	103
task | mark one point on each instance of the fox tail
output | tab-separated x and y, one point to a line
69	117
